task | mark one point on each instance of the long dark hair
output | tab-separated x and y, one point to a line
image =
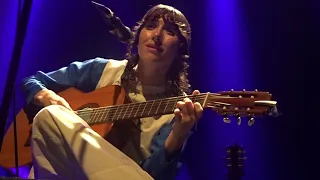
177	80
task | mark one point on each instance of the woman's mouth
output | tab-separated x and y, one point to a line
155	48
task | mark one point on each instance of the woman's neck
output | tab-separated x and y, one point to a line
151	74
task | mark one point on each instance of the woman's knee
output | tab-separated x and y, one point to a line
45	116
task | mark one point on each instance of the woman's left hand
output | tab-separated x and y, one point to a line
187	114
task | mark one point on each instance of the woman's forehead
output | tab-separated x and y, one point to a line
170	18
164	21
161	20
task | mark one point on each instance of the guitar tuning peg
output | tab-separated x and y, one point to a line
226	120
238	120
251	121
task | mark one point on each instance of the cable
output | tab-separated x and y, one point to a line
15	132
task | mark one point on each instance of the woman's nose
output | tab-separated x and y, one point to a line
157	37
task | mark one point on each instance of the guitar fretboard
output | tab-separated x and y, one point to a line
140	110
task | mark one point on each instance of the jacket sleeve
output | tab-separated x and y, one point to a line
82	75
157	164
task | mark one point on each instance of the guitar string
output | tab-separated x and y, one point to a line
113	115
110	117
165	99
125	106
98	114
121	106
140	104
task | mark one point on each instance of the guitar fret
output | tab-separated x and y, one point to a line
194	99
151	108
104	115
96	118
119	114
158	106
173	105
110	114
135	115
91	116
100	115
132	107
113	115
124	114
165	107
94	114
145	105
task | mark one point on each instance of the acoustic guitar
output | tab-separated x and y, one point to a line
111	115
235	162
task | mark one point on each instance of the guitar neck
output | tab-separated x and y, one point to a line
141	109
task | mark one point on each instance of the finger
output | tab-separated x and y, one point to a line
196	92
53	100
198	110
190	108
183	108
64	103
51	103
178	114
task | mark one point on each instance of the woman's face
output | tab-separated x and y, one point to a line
158	42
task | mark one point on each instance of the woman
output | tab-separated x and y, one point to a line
155	67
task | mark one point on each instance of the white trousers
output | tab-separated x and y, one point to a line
65	147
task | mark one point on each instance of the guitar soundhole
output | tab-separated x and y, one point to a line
89	105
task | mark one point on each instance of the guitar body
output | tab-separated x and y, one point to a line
107	96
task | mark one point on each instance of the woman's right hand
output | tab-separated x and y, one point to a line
47	97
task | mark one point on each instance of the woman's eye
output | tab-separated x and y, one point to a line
171	32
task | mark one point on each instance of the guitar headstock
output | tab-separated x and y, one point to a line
235	162
242	104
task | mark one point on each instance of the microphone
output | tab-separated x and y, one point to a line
115	25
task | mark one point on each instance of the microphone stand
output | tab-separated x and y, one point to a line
114	23
22	24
